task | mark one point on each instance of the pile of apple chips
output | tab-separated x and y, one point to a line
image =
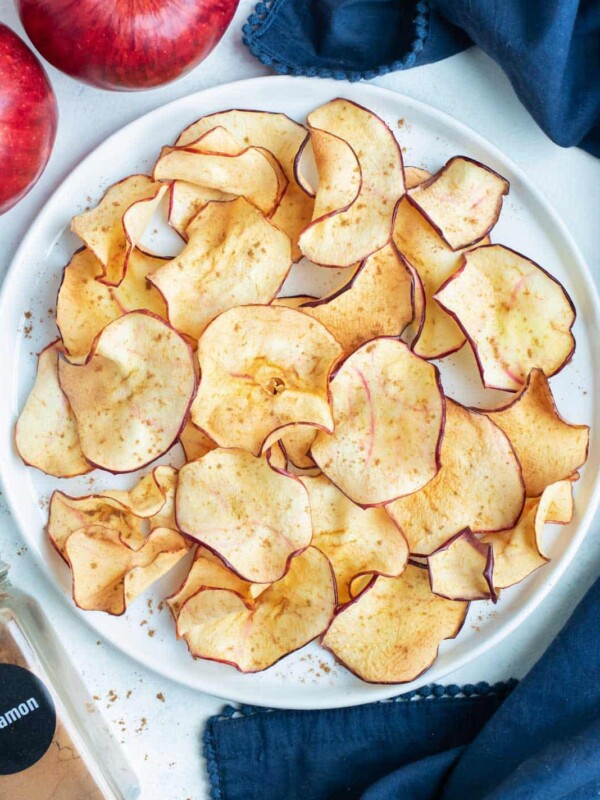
331	489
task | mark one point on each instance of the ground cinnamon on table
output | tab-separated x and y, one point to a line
61	774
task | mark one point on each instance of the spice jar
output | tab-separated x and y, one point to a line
53	743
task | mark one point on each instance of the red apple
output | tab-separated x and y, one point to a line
28	118
125	44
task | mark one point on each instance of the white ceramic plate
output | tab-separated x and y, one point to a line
309	678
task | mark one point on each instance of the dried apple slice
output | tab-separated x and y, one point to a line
195	442
480	485
462	569
548	447
186	200
131	396
515	315
463	200
434	261
348	232
116	225
518	552
339	174
388	410
413	176
234	256
206	572
282	137
296	441
377	301
262	367
109	573
149	503
356	540
392	631
251	635
254	517
276	457
46	432
85	305
249	173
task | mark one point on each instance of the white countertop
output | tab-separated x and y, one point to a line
159	723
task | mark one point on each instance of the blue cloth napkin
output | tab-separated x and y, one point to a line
550	49
536	740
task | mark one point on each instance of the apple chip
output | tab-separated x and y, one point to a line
116	225
263	367
282	137
377	301
346	233
296	441
463	200
514	313
434	261
276	457
248	173
195	442
251	635
186	200
413	176
234	256
518	552
480	485
392	631
149	503
131	396
254	517
462	569
356	540
548	447
46	432
85	305
339	174
206	572
388	411
109	573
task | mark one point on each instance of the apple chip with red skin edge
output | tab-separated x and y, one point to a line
413	176
356	540
206	571
518	552
254	517
339	174
276	457
85	305
285	139
391	632
462	569
110	573
388	410
377	301
515	315
234	256
548	447
263	367
186	200
296	441
463	201
125	512
434	261
46	432
340	236
479	486
131	396
116	225
195	442
251	635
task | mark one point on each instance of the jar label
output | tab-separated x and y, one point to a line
27	719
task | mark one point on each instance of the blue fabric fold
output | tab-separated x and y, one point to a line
550	49
536	740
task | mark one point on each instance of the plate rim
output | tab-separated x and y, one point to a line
346	697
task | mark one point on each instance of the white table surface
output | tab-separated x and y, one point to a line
160	723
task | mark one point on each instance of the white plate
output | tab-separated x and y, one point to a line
309	678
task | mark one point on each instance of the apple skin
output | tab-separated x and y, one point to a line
28	118
125	44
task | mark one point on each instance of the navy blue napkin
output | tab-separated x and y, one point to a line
550	49
536	740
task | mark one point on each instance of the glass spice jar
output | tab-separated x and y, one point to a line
53	743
